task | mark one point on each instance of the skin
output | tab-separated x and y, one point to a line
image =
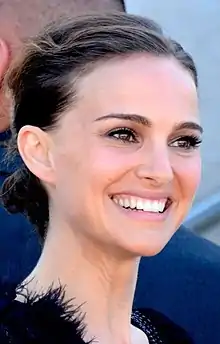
4	63
81	166
21	19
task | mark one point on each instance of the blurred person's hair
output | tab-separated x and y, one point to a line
29	17
43	84
20	19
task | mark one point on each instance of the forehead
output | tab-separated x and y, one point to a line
141	84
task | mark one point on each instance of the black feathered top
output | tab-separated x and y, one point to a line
48	319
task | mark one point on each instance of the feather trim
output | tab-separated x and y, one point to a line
44	319
49	319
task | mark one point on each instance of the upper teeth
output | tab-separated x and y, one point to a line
154	206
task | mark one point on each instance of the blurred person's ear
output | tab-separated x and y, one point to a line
4	57
4	63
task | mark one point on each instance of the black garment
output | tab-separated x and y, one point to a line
49	319
19	246
182	282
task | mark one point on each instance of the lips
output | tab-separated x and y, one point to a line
136	203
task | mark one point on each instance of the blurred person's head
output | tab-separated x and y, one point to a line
22	18
105	117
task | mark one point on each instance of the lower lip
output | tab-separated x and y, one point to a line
141	215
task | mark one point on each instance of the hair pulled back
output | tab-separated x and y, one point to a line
41	85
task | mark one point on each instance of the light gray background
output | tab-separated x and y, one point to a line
196	24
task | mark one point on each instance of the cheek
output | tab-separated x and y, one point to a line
68	183
89	174
84	181
189	172
109	165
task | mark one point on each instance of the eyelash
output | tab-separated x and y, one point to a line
130	136
192	142
129	133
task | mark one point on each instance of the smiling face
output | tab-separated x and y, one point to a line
126	156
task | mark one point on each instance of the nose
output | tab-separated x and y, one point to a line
155	166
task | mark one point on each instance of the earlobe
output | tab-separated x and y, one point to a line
4	57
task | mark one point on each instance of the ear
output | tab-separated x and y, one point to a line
4	57
35	148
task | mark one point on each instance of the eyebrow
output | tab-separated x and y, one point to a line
147	123
127	117
189	125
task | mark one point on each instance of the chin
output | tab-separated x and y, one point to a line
148	247
152	251
148	250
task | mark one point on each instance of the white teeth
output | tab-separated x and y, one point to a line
155	206
147	205
162	206
139	204
126	203
121	202
132	203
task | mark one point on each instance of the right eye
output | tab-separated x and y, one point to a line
125	135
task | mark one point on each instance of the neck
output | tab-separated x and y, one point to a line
103	285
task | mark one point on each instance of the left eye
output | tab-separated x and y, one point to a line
124	135
187	142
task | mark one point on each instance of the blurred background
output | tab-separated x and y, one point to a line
196	25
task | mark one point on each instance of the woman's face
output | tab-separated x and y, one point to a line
126	156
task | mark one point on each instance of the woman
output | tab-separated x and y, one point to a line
105	119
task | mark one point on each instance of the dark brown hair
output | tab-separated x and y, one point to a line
42	82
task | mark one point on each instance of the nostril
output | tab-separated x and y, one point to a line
156	173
